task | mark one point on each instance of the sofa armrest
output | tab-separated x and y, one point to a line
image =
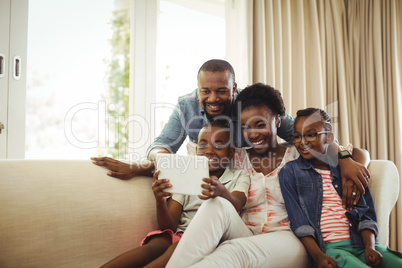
384	187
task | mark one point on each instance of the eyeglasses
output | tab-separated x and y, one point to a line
308	137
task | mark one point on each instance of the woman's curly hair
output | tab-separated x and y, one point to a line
260	95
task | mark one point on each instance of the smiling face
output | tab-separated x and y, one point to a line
214	143
311	150
216	91
259	128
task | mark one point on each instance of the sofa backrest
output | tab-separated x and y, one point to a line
64	213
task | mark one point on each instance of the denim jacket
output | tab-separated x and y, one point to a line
188	118
302	191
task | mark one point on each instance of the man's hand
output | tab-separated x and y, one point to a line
122	170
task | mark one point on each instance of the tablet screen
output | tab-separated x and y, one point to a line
185	172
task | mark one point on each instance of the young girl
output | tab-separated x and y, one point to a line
175	214
311	188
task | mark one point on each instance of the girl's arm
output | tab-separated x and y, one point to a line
167	213
299	221
372	256
319	257
214	188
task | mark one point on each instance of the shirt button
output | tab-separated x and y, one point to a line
350	224
336	185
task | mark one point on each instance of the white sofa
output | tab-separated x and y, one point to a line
65	213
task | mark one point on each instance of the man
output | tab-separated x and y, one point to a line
217	90
214	97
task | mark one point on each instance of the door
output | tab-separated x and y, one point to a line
13	50
4	48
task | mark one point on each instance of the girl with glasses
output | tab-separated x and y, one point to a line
311	187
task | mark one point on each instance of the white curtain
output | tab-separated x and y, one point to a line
344	56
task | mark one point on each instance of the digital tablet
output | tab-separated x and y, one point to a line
185	172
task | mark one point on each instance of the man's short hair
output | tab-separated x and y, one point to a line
216	65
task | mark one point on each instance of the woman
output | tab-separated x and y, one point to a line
217	236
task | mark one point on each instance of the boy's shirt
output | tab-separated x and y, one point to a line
233	180
302	189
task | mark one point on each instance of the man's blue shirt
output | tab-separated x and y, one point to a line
302	190
188	118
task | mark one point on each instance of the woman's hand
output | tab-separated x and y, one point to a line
352	170
350	195
158	186
213	188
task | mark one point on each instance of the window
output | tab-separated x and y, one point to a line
69	109
68	54
188	35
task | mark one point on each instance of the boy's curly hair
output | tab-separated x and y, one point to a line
220	123
260	95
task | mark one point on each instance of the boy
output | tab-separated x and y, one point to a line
175	213
311	188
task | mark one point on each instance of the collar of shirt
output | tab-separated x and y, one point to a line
305	164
